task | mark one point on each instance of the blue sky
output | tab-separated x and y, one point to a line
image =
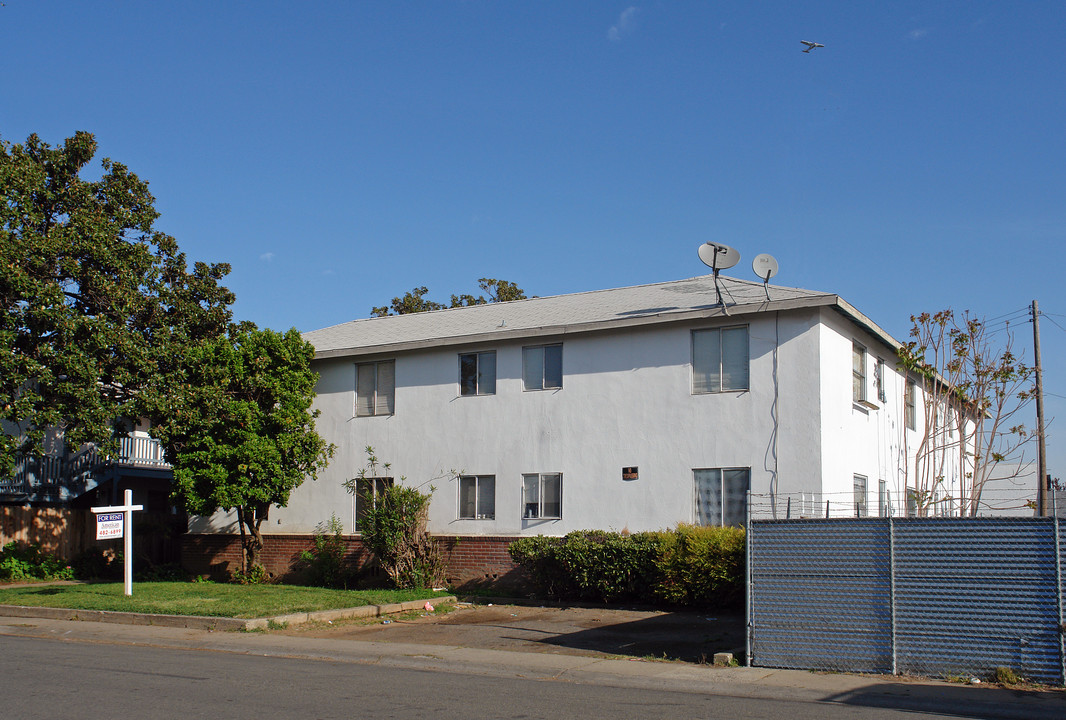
340	153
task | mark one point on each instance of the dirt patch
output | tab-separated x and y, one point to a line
687	636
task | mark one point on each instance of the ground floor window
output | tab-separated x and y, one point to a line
477	497
860	495
721	495
367	491
884	499
542	495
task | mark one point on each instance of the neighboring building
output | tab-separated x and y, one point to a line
46	499
1011	491
65	474
635	408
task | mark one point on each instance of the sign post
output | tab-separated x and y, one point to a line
116	521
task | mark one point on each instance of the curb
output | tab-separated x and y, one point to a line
197	622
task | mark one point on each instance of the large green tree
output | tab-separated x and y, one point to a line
97	308
415	300
240	430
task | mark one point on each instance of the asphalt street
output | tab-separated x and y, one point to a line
76	668
49	678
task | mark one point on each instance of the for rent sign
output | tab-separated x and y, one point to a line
109	525
116	521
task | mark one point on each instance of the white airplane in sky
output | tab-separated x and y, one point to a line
811	45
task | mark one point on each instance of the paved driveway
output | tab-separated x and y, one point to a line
688	636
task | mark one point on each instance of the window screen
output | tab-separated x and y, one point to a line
721	495
720	360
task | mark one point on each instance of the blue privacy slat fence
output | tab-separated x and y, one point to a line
927	596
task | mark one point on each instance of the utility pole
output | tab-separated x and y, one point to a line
1041	461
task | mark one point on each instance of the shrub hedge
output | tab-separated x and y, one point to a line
689	566
22	561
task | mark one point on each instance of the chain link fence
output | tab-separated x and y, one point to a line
947	597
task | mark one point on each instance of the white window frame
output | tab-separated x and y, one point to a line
724	513
539	513
709	375
861	495
380	403
529	381
479	482
858	374
481	384
879	380
910	405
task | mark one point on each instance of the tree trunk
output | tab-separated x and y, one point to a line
252	541
244	542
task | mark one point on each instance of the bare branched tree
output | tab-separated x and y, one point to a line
973	388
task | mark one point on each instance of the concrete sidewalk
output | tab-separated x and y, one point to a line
856	690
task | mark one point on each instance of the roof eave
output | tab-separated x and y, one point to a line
849	310
715	312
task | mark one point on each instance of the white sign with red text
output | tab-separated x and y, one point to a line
109	525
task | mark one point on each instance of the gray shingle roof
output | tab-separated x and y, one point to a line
673	301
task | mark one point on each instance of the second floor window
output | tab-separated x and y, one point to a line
909	409
858	373
542	367
375	388
477	373
719	360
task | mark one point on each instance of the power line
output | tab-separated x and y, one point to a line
1008	318
1052	321
1023	311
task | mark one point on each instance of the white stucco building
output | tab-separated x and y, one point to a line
633	408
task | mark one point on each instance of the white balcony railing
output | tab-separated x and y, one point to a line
31	474
141	450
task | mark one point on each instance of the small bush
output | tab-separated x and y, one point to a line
22	561
324	564
589	564
93	563
169	572
539	557
689	566
1006	676
256	575
701	566
394	529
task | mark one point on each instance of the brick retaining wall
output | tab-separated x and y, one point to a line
471	561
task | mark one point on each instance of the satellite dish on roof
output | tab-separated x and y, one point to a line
718	256
765	266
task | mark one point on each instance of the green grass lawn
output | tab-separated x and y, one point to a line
211	599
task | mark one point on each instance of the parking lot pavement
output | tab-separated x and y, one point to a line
594	632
